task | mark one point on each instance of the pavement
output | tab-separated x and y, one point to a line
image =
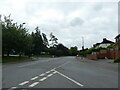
62	72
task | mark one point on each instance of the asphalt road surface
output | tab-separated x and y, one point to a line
62	72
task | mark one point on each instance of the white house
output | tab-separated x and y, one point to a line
104	44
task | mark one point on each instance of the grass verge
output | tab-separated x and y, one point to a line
12	59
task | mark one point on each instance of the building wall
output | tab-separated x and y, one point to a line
104	45
104	54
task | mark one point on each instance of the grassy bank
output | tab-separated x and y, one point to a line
12	59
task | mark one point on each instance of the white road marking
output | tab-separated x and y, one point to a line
49	75
23	83
61	65
52	69
54	72
70	79
34	84
34	78
14	87
48	72
42	74
43	79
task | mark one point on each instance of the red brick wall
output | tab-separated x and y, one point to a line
110	54
117	54
92	57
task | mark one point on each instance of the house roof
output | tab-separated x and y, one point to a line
105	41
117	36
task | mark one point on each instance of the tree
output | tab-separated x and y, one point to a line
38	45
64	50
53	40
73	51
14	37
45	40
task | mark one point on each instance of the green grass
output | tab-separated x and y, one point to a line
12	59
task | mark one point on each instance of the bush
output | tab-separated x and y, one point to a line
117	60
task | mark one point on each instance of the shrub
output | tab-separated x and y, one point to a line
117	60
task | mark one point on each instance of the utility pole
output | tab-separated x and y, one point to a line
82	43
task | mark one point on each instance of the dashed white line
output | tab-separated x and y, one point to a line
70	79
14	87
23	83
43	79
48	72
52	69
54	72
42	74
34	78
34	84
49	75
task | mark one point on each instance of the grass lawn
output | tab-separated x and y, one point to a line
11	59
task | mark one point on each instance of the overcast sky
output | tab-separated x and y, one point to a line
69	21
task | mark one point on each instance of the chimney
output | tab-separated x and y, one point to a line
104	39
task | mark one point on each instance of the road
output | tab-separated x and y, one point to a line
62	72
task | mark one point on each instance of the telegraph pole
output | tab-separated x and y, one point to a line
82	43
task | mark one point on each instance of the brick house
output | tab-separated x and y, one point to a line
108	53
117	38
104	44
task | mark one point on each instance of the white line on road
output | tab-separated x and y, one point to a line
43	79
48	72
49	75
23	83
52	69
54	72
34	78
69	79
14	87
42	74
61	65
34	84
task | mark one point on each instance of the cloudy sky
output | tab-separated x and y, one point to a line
69	21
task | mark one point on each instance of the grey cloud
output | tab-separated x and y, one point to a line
76	22
70	30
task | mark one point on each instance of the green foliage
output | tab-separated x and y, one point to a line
38	45
14	37
17	40
53	40
45	40
59	50
112	46
117	60
15	59
73	51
